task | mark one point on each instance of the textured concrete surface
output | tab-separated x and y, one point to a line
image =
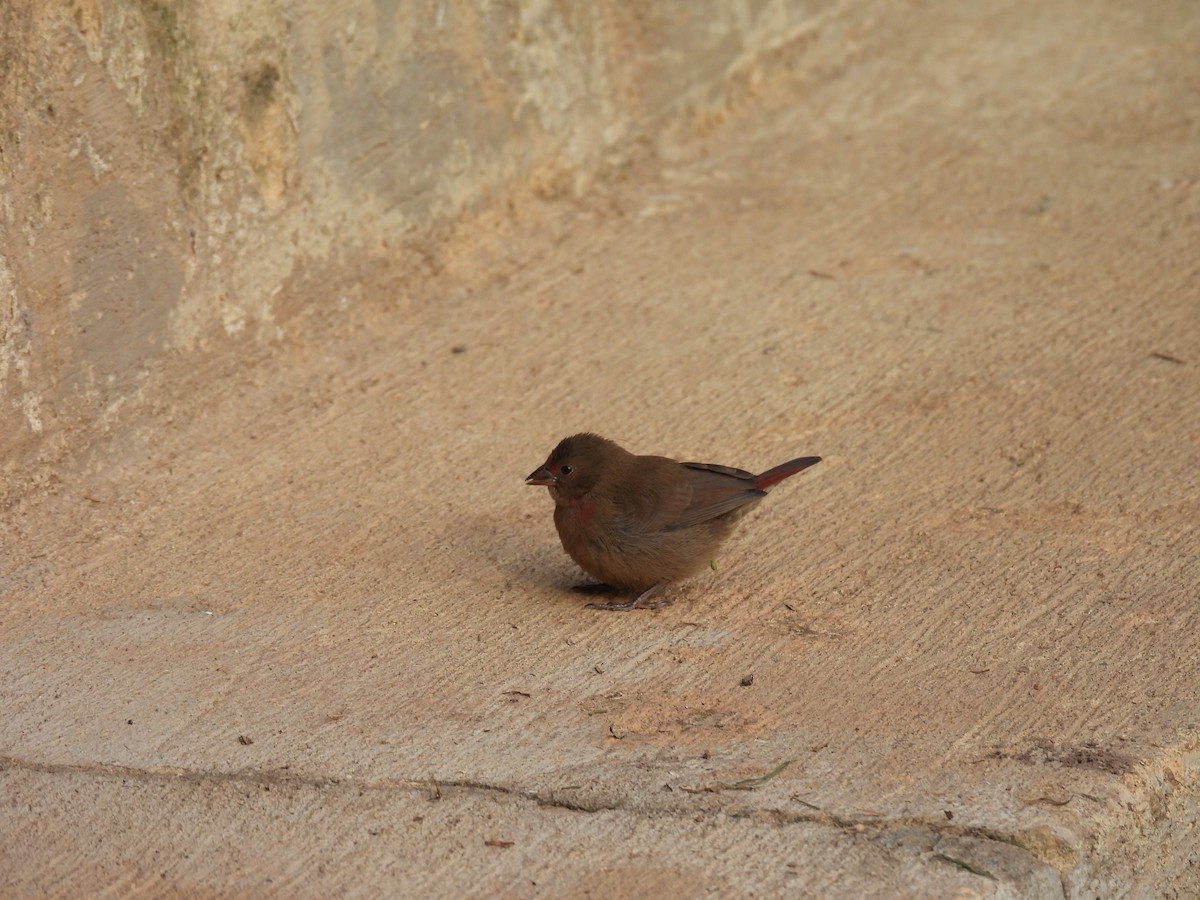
300	629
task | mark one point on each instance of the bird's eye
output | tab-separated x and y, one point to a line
564	470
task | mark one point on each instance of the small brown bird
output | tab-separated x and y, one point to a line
640	522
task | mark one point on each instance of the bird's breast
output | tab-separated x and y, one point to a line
580	524
581	509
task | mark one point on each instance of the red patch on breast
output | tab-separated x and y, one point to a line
584	508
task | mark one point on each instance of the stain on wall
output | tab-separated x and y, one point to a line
166	168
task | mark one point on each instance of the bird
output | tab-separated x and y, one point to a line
639	523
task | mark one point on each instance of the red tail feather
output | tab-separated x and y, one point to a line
784	470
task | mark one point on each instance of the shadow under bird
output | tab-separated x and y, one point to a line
638	523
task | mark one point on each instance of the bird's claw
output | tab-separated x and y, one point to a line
641	601
632	604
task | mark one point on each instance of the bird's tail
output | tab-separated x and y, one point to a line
784	470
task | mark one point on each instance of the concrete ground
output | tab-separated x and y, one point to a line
306	632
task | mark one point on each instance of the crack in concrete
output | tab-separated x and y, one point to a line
433	788
871	827
283	778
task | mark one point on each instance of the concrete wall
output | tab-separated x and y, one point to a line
167	169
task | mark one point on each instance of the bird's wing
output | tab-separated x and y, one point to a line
715	491
653	495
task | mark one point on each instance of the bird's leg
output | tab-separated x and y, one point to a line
641	601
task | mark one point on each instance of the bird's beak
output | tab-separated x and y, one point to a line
540	476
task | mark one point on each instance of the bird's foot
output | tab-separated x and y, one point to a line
641	601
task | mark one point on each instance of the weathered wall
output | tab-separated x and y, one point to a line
167	168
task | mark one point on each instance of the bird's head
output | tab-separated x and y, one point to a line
576	466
